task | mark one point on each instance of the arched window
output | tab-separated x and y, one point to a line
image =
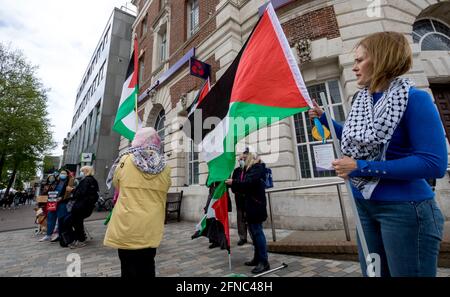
159	125
431	35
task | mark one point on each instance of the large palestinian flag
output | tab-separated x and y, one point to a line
126	121
263	85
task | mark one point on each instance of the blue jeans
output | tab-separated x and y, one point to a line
259	242
405	235
52	216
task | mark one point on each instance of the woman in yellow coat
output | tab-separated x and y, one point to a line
137	222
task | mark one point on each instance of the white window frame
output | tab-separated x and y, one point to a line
161	130
193	14
163	46
434	32
192	158
310	142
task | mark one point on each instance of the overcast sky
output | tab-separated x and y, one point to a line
59	36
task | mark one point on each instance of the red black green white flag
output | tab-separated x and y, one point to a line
126	122
263	83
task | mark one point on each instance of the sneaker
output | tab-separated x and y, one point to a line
81	244
73	245
77	244
45	238
242	242
55	238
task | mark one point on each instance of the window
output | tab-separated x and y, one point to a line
161	4
159	125
105	40
431	35
101	72
193	164
193	17
86	133
144	26
163	47
303	126
141	70
91	128
97	122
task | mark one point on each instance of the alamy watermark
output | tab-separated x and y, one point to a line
373	265
214	136
74	268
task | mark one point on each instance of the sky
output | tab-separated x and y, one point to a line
58	36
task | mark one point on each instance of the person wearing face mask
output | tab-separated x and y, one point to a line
64	186
84	197
238	174
253	188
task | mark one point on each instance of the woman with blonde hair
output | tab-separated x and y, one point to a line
137	222
84	196
392	142
252	188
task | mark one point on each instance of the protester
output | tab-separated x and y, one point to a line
84	197
253	188
238	174
137	222
64	186
392	142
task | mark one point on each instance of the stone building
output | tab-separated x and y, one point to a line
322	35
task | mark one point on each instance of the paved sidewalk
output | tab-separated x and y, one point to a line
178	255
23	217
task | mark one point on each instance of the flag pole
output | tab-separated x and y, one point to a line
136	107
362	238
136	64
229	242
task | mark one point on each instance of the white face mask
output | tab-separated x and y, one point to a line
82	174
241	163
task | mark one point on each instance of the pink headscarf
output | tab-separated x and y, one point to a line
145	137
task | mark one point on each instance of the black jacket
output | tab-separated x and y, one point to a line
239	197
254	192
85	196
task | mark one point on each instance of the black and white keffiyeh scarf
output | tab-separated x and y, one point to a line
369	128
147	159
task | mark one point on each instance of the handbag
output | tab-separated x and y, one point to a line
51	206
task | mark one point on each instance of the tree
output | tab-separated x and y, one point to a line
24	125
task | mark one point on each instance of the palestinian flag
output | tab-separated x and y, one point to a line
126	121
214	223
263	85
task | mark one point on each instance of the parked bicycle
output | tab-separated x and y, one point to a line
104	204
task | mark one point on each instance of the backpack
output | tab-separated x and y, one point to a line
268	181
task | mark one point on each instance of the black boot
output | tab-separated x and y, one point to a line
261	268
242	242
253	262
213	245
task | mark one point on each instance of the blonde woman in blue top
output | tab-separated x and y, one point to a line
392	142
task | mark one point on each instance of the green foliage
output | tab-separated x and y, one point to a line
25	134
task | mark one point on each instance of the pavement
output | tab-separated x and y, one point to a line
178	256
333	244
23	218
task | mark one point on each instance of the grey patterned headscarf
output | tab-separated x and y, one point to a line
147	159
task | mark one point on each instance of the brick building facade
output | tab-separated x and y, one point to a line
322	35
